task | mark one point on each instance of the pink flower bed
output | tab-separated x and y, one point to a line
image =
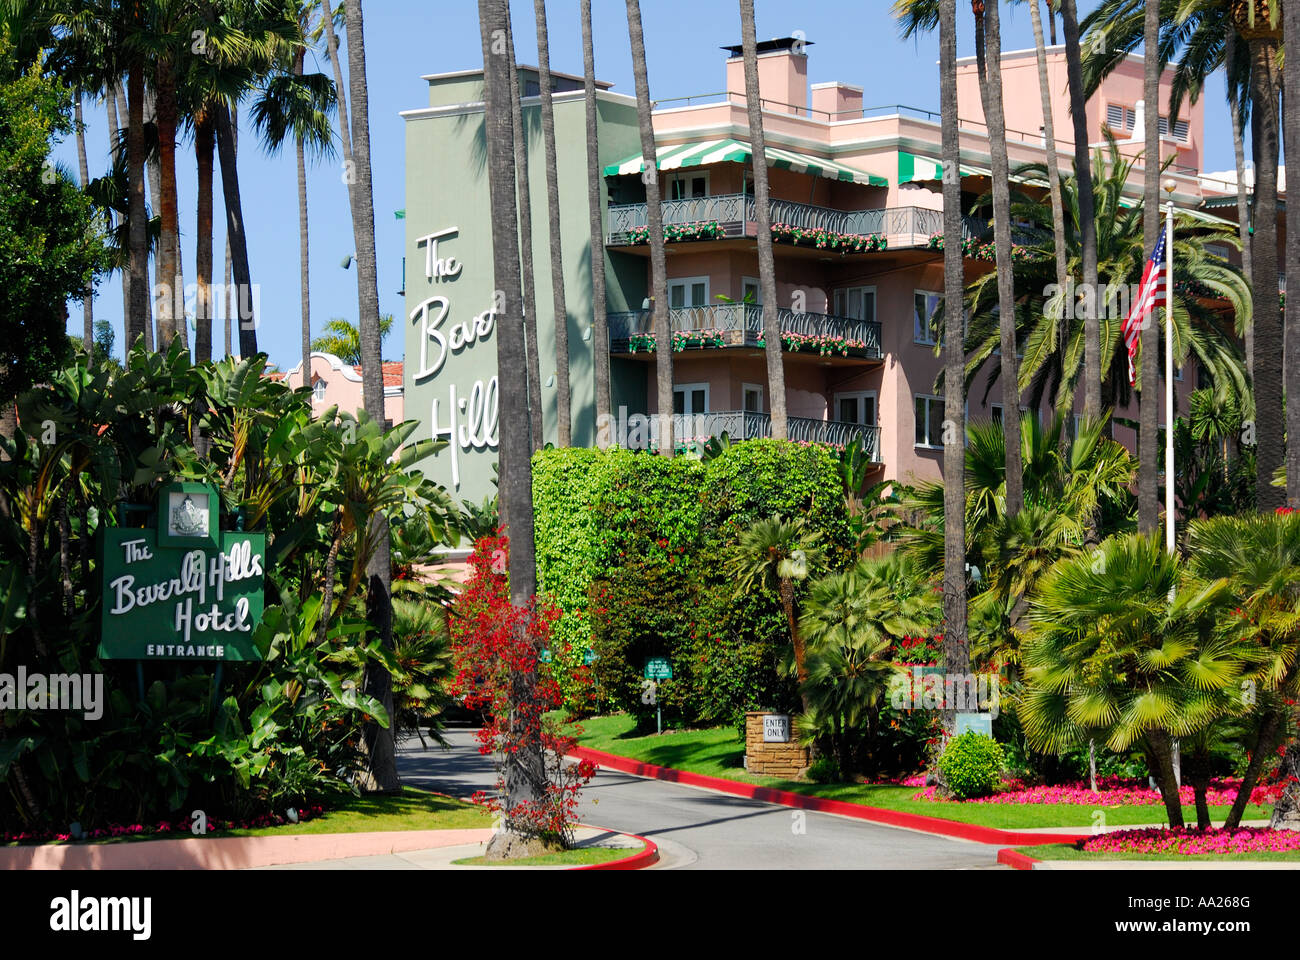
1112	791
1188	840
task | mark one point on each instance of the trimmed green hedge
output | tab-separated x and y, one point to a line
631	547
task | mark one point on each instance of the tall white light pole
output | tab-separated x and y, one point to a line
1169	365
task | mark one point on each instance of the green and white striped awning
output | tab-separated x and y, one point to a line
737	151
914	169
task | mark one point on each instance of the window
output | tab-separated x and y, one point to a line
929	421
686	186
691	398
690	292
1180	129
995	413
855	303
753	397
750	290
318	390
1120	117
925	323
858	407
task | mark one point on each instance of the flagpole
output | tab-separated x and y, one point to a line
1169	367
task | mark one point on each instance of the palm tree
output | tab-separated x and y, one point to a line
380	744
1291	337
525	209
849	623
1053	165
1118	652
956	651
988	54
776	554
563	413
524	771
763	216
1088	229
296	103
654	216
600	326
343	340
1200	331
1259	556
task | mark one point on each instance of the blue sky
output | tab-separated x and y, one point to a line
855	41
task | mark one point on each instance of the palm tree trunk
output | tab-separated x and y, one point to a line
1054	181
955	651
111	95
1160	760
381	747
83	169
1087	214
766	265
989	56
332	44
1051	20
139	317
524	770
304	279
599	321
536	420
1243	205
244	300
1152	396
1291	319
204	146
1269	430
167	292
658	258
154	171
563	413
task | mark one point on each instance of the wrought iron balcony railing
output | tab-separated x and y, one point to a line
741	325
743	425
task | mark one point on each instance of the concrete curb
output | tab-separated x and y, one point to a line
1016	860
647	856
859	811
231	853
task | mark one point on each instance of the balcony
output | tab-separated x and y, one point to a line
741	325
735	215
743	425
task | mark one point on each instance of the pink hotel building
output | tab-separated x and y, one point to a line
839	167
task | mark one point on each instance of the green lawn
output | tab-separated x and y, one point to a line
579	856
1066	851
410	810
717	752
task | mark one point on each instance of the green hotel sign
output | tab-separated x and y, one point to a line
185	591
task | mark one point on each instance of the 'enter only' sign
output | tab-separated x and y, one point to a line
776	728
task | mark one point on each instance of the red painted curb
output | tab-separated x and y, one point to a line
646	856
1017	860
860	811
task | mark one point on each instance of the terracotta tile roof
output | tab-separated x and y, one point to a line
392	373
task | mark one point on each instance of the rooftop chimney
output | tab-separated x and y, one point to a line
782	74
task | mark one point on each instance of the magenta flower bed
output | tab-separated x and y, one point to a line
164	827
1114	790
1188	840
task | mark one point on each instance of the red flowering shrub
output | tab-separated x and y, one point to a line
495	649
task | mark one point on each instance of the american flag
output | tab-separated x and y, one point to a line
1151	294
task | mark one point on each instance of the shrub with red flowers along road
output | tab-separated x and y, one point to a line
1191	842
1113	791
496	647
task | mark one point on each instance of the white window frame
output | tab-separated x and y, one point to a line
686	389
745	388
926	293
932	399
686	177
686	283
318	388
840	300
858	395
